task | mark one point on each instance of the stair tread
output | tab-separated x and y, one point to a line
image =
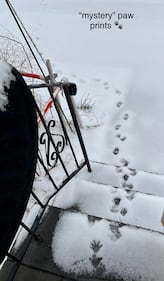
146	182
106	201
99	248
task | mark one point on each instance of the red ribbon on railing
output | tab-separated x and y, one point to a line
50	101
32	75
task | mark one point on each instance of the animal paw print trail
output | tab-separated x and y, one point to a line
123	170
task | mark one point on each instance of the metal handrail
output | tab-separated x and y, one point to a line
69	89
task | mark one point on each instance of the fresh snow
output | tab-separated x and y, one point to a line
5	79
82	246
120	74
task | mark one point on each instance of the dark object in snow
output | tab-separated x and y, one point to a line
96	246
120	26
125	177
116	23
123	212
126	116
95	261
123	139
118	92
117	127
116	151
133	172
124	162
119	103
127	185
117	200
118	136
18	156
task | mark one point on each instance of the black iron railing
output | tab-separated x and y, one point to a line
55	137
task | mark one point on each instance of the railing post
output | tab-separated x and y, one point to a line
76	112
68	90
57	104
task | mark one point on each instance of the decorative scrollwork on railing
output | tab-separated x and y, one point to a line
52	152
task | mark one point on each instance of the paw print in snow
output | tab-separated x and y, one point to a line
118	136
131	195
125	177
120	26
116	151
105	83
123	211
133	172
119	104
126	116
124	162
118	170
117	127
118	92
96	246
92	219
114	228
127	185
117	200
123	138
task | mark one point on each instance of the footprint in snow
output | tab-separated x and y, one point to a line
125	177
117	201
131	195
118	136
96	261
114	209
114	190
118	170
127	185
96	246
120	26
123	138
118	92
119	104
124	162
123	211
126	116
92	219
116	151
117	127
133	172
115	229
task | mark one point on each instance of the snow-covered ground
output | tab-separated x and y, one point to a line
119	72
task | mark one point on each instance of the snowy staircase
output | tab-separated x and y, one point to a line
104	225
114	214
117	193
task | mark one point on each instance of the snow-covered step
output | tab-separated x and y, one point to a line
117	204
76	246
126	177
84	246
